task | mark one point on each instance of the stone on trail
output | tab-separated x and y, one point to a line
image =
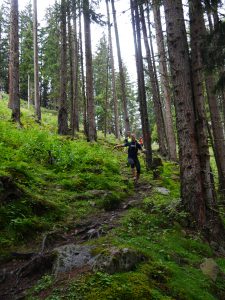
71	256
109	260
162	190
210	268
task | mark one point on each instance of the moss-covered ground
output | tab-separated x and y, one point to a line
51	172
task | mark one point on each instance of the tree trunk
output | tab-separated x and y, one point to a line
14	99
217	130
75	56
155	94
223	108
190	169
114	95
83	94
106	96
28	92
121	72
165	83
70	58
36	69
197	25
141	83
63	114
92	135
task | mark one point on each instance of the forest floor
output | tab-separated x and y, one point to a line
58	191
26	268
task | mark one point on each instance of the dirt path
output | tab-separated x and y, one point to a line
22	272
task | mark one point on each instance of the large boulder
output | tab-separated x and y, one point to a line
71	256
110	260
115	260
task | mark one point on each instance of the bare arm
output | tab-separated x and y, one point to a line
119	146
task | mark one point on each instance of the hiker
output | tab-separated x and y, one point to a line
133	161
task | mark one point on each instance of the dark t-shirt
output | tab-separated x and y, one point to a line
133	149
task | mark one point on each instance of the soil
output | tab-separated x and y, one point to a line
24	269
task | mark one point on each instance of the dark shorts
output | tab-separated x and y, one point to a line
134	162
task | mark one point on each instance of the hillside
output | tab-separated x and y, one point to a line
73	225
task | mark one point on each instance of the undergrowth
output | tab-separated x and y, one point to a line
46	173
173	254
52	178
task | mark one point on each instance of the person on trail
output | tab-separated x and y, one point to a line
133	161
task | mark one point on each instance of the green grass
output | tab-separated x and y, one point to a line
174	254
49	170
55	176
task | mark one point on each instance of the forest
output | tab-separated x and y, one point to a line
76	221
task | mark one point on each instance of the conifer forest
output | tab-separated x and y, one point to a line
112	149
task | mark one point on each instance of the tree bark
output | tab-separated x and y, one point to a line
217	130
197	25
141	83
36	69
71	70
190	170
83	94
14	99
165	83
114	95
75	56
121	72
63	114
155	94
92	134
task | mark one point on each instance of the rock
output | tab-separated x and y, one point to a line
131	204
210	268
118	260
110	260
71	256
162	190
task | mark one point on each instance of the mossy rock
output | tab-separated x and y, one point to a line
118	260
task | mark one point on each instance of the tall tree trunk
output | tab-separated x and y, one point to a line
196	28
155	94
217	130
92	135
83	94
75	120
165	82
121	72
223	108
70	58
114	95
216	121
141	82
36	69
63	114
190	169
14	99
1	84
197	197
106	95
215	14
28	92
